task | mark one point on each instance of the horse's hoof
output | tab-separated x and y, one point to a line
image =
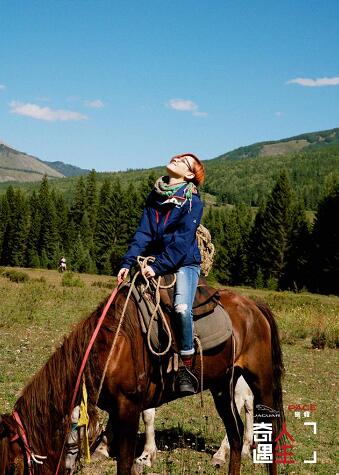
217	463
246	452
146	459
137	469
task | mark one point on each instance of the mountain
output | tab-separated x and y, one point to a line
66	169
309	141
20	167
245	175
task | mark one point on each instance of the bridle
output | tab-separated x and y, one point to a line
21	435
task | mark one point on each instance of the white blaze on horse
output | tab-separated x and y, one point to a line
243	399
99	450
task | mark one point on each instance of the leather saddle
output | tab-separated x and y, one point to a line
212	324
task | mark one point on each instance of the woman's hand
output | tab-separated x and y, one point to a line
123	273
149	272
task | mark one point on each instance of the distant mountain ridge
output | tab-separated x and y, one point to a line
311	141
243	175
16	166
66	169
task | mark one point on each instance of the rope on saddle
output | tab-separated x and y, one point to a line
143	262
202	370
154	284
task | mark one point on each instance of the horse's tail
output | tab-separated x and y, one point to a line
278	365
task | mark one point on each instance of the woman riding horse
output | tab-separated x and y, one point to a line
122	376
167	231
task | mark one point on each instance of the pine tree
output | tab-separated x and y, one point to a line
48	233
275	229
78	207
254	263
239	263
104	235
32	247
62	224
15	228
296	270
4	216
92	197
325	261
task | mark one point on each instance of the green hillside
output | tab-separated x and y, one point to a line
246	175
309	141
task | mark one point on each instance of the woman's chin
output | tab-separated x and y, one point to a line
172	172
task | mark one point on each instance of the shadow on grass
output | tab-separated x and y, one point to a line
177	438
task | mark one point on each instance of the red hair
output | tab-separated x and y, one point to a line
197	167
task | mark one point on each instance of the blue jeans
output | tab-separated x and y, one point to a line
185	288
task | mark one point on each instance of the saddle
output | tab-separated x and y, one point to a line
212	324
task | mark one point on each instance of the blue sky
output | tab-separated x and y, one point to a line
124	84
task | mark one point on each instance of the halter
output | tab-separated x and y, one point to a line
21	434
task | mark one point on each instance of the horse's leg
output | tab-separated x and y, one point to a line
244	398
124	423
227	409
219	458
148	456
249	414
261	384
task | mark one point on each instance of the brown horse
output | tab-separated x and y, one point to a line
136	380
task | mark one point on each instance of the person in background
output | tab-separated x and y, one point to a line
62	265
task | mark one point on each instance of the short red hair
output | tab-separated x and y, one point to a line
198	168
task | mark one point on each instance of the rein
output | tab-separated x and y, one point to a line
85	358
31	457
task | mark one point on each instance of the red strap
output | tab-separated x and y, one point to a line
85	358
95	333
22	434
157	216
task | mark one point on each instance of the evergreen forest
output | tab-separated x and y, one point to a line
274	246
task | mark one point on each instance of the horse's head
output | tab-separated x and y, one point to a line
12	458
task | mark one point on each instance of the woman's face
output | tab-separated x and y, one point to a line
181	167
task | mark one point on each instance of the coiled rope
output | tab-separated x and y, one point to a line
153	283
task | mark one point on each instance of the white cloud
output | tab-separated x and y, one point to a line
279	114
44	113
185	105
2	87
319	82
96	104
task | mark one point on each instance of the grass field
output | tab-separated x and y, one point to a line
35	314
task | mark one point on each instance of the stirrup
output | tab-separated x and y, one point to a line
187	383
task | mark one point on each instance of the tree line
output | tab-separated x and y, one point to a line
274	246
250	180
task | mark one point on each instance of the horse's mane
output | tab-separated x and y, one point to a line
44	404
4	449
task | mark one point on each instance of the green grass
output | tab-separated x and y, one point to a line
35	315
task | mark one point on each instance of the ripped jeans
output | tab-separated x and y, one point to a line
185	288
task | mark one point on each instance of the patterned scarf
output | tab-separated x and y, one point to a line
162	188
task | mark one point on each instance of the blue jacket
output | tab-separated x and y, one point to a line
167	232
